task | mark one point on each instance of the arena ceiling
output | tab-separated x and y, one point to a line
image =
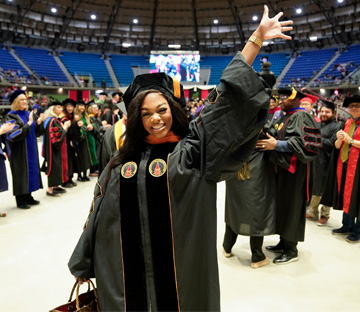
160	23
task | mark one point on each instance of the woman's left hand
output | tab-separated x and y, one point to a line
270	28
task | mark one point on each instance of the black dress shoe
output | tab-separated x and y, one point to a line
285	258
33	202
67	185
275	248
58	190
24	206
53	194
81	179
86	178
73	183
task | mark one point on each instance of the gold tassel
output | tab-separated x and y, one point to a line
244	172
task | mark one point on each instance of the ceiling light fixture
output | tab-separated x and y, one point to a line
135	21
254	18
216	21
93	16
54	10
126	45
313	38
298	11
174	46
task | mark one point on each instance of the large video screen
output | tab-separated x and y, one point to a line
185	67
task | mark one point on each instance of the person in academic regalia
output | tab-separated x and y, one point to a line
308	103
102	97
85	142
68	115
275	111
250	204
110	112
150	238
24	157
342	186
111	142
4	128
320	165
293	141
55	149
97	132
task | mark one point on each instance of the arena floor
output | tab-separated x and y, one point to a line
36	244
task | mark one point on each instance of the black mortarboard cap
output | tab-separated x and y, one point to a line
91	102
291	92
81	102
328	104
158	81
15	94
53	103
69	101
103	93
351	99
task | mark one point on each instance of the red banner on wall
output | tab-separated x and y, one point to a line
79	95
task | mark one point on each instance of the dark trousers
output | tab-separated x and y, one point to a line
289	247
256	243
349	224
23	199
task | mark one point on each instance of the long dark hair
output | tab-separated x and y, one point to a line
135	133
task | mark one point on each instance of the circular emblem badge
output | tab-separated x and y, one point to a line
157	167
280	126
276	126
128	170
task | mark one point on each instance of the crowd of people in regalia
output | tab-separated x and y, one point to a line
72	133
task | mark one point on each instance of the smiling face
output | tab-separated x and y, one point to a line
354	109
58	109
22	102
272	103
326	114
156	115
69	108
81	108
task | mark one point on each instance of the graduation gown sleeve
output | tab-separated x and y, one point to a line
225	133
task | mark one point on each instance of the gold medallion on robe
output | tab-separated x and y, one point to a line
129	169
280	126
157	167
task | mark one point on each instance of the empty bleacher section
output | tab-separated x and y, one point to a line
307	66
122	65
42	64
82	63
346	63
9	64
218	64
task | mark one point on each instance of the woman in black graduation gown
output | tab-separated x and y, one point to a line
55	149
22	140
150	238
82	135
68	115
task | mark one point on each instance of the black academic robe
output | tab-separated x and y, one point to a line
250	200
98	133
320	165
250	203
82	152
214	150
300	131
55	163
70	147
24	158
4	148
111	143
349	201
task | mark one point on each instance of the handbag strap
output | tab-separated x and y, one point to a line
77	294
73	289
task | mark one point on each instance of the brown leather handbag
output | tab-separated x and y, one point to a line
85	302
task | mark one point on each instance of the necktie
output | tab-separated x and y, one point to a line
345	148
